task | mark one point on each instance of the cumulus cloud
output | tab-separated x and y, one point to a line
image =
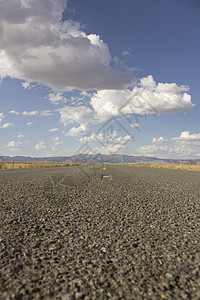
29	123
154	150
6	125
20	136
80	115
78	131
159	140
56	98
14	112
38	46
41	146
185	146
53	129
13	144
177	151
145	98
108	138
30	113
108	143
187	137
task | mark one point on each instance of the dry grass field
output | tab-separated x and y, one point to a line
168	166
26	165
49	164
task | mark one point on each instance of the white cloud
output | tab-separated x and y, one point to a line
29	123
156	151
45	113
125	53
146	98
20	136
6	125
14	112
53	130
1	116
86	94
37	46
53	147
106	138
26	85
56	143
109	143
135	125
41	146
14	149
80	115
13	144
55	139
159	140
186	146
187	137
78	131
57	98
30	113
110	149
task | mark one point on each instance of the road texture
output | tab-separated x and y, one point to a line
67	233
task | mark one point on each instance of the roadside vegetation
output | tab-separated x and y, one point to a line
49	164
168	166
25	165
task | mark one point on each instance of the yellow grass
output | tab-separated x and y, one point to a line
23	165
169	166
49	164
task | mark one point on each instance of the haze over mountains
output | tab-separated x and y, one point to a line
99	158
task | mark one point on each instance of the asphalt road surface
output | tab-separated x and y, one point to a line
67	233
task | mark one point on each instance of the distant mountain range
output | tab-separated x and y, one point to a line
99	158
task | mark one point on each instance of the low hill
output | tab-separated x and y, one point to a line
99	158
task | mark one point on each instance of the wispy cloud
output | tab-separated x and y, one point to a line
41	146
135	125
29	123
125	53
46	113
14	112
30	113
13	144
6	125
20	136
53	129
159	140
56	98
1	116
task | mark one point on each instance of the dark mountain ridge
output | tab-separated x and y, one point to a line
100	158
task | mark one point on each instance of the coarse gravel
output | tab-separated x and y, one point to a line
70	233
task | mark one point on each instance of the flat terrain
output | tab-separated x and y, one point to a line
66	233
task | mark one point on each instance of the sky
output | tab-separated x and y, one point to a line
109	77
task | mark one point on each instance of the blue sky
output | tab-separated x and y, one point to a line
100	77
